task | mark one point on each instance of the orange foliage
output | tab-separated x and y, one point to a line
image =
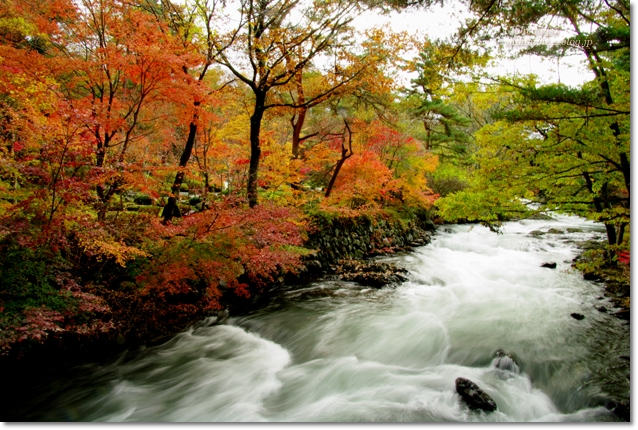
363	180
226	247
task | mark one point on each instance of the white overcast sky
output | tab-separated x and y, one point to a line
442	22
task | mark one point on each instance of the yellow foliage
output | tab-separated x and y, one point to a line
104	248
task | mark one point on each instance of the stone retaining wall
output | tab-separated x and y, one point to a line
356	238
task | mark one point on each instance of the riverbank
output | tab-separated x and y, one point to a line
133	317
615	276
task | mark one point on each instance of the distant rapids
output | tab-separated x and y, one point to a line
334	351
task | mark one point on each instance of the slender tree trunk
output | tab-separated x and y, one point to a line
296	131
171	209
343	159
102	192
301	116
345	154
255	147
598	205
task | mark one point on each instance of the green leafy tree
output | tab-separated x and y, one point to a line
567	146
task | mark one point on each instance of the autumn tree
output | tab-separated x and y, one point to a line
112	60
191	25
374	70
274	41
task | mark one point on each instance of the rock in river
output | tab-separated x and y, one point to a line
370	274
505	361
473	396
549	265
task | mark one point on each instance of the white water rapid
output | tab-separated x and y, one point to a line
333	351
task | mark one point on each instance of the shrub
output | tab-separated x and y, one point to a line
143	199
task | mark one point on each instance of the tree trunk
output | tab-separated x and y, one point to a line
102	206
611	233
336	172
598	203
301	116
255	147
296	131
171	209
345	154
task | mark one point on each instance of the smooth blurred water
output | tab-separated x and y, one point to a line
336	352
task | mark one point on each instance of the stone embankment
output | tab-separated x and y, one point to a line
341	246
361	238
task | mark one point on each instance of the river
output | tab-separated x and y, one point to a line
333	351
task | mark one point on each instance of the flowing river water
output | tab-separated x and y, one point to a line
333	351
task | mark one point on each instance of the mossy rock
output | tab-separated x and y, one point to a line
540	216
555	231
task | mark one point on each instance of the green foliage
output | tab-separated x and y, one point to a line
488	206
28	280
143	199
447	130
602	262
448	179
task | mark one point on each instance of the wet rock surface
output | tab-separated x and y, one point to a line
549	265
505	361
370	274
535	233
623	314
473	396
621	409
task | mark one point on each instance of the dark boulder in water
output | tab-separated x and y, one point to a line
623	315
577	316
621	409
376	280
587	276
222	317
474	397
549	265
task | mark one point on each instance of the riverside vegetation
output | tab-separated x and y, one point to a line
159	164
